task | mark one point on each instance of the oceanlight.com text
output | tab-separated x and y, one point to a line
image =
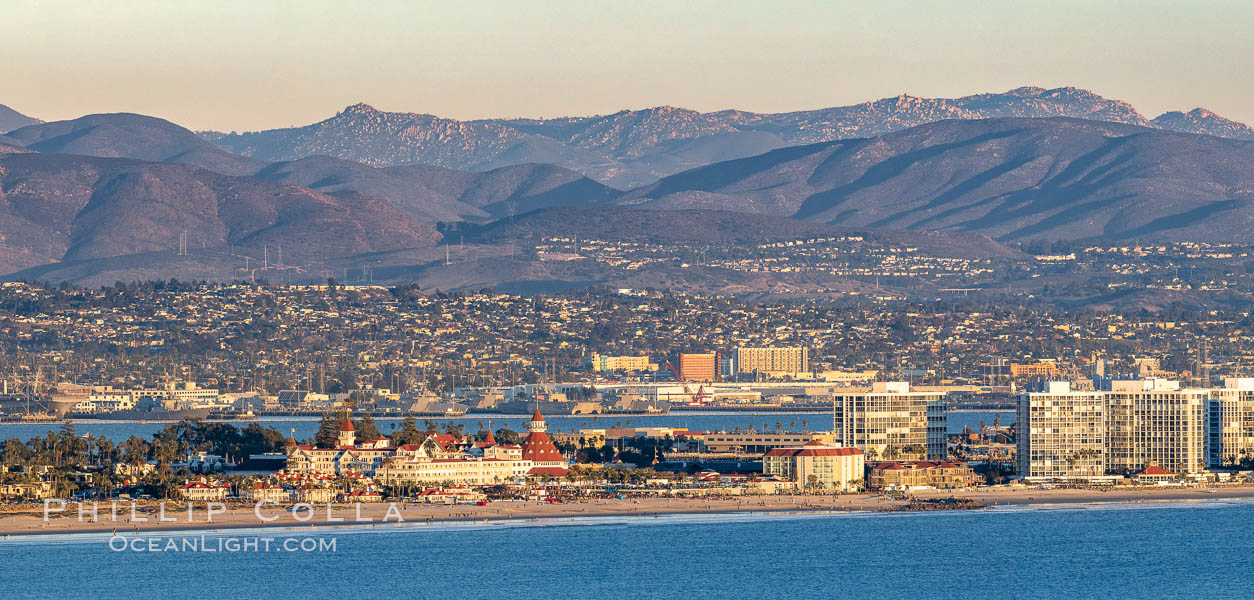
214	544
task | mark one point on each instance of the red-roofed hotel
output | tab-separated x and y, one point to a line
817	465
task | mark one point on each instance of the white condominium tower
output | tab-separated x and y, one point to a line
1061	434
889	422
1153	420
1230	417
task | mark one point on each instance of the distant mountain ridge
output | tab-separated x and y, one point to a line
11	119
637	147
427	193
372	137
1055	178
111	195
1205	122
1011	178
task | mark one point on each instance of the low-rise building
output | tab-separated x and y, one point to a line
817	465
910	474
756	442
360	496
268	492
314	494
1154	474
451	495
33	490
202	491
601	363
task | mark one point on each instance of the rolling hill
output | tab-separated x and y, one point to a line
126	135
11	119
409	194
1008	178
511	190
429	194
66	208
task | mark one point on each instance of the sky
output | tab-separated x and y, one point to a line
255	64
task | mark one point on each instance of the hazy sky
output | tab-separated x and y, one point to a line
252	64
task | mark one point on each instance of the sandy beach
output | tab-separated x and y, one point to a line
28	519
1006	496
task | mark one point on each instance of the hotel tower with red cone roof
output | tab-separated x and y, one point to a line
538	448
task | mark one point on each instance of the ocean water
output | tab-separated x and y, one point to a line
118	431
1184	550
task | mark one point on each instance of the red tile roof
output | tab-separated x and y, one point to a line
830	452
538	447
550	471
444	440
360	493
812	450
203	485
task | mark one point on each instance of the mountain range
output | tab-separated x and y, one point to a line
428	193
632	148
1012	179
113	196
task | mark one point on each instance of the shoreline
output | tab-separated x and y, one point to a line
29	525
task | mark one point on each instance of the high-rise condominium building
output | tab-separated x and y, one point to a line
1230	416
1061	434
888	422
772	360
1153	420
938	430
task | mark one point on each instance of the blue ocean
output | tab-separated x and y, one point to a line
1179	550
305	427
